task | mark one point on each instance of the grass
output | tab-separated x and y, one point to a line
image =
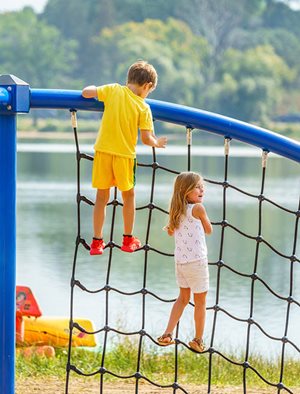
157	364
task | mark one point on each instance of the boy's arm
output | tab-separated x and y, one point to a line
148	138
199	212
90	92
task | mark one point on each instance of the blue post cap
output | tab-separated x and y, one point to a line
14	95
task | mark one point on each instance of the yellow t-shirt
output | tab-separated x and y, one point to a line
124	113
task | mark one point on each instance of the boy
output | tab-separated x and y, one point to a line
115	156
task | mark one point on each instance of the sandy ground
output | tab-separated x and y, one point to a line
79	386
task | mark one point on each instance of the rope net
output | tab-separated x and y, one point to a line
253	279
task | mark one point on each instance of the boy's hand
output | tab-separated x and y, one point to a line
148	138
89	92
161	142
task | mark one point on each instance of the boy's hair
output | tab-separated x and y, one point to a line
142	72
183	184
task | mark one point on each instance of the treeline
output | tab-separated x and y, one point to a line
235	57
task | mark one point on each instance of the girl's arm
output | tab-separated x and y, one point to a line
199	212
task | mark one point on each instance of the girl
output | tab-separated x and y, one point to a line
189	223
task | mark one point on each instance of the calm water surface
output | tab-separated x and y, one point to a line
47	228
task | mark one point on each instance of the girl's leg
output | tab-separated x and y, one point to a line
199	313
177	310
128	210
100	211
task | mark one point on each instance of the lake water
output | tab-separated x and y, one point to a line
47	229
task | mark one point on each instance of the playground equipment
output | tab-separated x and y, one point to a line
16	97
26	306
33	329
54	331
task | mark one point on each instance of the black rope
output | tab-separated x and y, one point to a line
219	265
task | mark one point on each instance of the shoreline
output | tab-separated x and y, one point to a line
171	150
57	135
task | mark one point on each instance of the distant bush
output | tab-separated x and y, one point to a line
48	127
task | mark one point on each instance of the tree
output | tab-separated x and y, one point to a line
217	20
279	15
35	51
179	56
285	43
250	83
85	19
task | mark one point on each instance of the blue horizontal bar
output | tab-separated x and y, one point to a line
181	115
63	99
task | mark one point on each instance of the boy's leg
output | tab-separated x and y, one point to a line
98	244
128	210
130	243
199	313
177	310
102	198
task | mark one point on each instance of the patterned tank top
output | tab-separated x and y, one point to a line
190	243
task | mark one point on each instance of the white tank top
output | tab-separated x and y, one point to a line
190	243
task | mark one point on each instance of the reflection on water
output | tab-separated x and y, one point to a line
47	228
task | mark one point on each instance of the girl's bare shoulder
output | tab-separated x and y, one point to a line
198	210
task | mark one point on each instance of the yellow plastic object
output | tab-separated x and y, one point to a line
54	331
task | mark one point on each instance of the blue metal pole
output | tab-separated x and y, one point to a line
14	98
7	251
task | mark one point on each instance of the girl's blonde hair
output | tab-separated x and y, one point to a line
184	183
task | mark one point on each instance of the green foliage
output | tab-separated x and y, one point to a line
239	58
179	56
87	18
158	365
280	15
250	83
33	50
285	44
217	20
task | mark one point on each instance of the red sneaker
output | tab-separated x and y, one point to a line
130	244
97	247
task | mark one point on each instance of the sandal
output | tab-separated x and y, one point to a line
197	344
162	342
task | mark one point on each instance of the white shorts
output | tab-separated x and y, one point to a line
194	275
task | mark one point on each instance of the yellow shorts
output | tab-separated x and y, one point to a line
111	170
